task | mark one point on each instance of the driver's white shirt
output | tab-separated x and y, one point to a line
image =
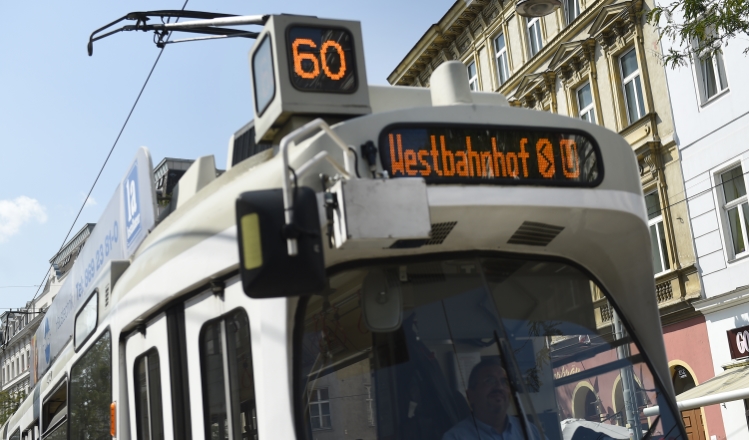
471	428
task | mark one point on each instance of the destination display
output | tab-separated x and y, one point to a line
322	59
501	155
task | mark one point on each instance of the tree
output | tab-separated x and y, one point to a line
699	26
9	403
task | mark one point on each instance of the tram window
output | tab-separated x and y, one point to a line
55	409
225	347
59	433
216	418
91	391
85	320
148	408
521	334
16	435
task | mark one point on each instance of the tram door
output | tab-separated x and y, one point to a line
149	401
222	391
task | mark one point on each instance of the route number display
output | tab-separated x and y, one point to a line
490	155
307	65
322	59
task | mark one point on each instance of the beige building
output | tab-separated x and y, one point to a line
598	60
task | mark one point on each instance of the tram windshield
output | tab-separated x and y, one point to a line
486	348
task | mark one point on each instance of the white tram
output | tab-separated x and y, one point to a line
399	263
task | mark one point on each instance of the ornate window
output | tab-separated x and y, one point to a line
585	105
631	85
658	249
735	209
535	43
500	54
473	76
571	10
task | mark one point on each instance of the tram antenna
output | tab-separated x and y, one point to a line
117	139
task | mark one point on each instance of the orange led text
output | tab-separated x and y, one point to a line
317	59
536	160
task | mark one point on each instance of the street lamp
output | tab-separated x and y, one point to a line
537	8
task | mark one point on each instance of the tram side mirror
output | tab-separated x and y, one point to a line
266	268
382	302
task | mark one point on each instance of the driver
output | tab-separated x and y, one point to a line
489	396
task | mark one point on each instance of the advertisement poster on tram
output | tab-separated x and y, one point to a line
121	228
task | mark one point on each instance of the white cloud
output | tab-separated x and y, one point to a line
14	213
90	201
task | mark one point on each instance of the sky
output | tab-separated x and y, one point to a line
61	110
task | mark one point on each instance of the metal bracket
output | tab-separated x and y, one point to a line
217	288
207	23
347	170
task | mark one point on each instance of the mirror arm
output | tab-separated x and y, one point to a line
306	129
317	158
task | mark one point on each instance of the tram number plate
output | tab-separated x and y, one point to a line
500	155
322	59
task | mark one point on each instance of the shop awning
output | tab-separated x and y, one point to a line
732	384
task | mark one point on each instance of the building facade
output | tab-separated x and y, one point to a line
166	175
598	60
19	327
711	114
18	330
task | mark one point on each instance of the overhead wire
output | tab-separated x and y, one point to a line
693	183
117	139
704	191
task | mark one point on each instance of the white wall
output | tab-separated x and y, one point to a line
710	137
720	272
694	121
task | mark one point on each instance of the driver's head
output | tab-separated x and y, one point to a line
488	388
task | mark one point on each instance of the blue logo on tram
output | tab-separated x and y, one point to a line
46	339
132	205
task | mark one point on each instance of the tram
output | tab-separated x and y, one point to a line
388	263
